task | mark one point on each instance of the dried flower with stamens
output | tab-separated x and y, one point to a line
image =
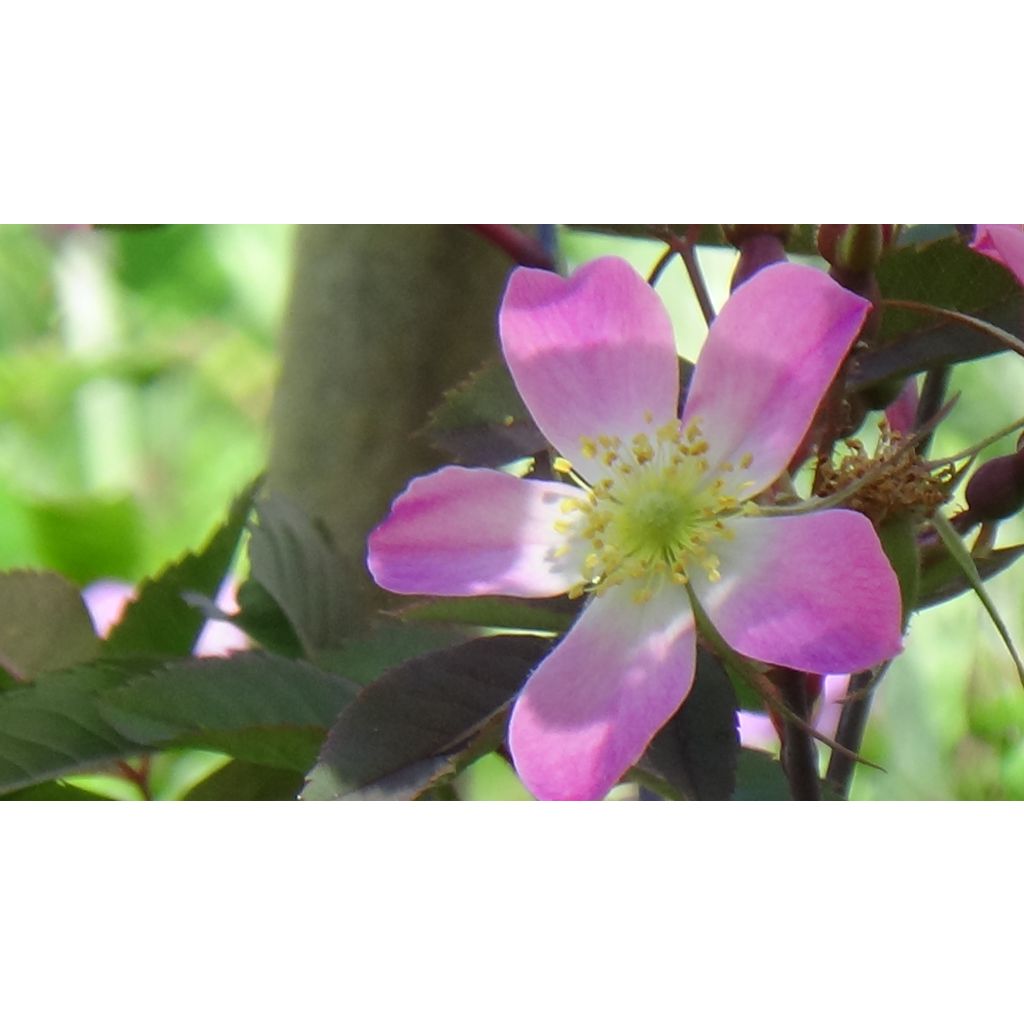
906	486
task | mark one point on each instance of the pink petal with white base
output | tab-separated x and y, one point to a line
812	592
590	354
592	706
1003	243
460	532
769	358
902	413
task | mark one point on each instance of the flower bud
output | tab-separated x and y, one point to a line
855	248
996	490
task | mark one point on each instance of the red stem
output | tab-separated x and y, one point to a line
526	251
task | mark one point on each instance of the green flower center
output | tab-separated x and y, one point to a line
658	513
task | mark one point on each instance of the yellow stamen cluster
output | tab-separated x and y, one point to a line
658	511
906	485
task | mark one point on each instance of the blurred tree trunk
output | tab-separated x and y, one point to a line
381	320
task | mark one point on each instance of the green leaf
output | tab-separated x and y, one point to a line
899	542
483	421
53	791
362	659
239	780
554	615
696	750
942	578
295	564
948	274
44	624
54	727
423	721
254	706
260	617
162	620
759	776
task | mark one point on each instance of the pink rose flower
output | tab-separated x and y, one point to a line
1003	243
660	501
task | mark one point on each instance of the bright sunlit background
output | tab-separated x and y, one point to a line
137	370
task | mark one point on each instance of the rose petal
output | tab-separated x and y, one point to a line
902	413
768	360
592	706
1003	243
812	592
590	355
459	532
757	732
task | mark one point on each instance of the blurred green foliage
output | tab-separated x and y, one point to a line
136	372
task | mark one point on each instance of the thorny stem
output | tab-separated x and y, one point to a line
758	681
521	247
799	755
853	720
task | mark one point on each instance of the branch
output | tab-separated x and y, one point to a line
521	247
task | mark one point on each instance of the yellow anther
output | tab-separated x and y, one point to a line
699	448
508	420
642	596
567	505
669	432
561	526
746	460
577	590
561	465
693	431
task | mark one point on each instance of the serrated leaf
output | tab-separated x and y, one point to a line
942	579
162	620
240	780
554	615
254	706
44	624
421	720
53	791
296	565
53	727
483	421
948	274
695	751
260	617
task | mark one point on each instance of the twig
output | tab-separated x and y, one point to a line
853	720
799	755
686	247
526	251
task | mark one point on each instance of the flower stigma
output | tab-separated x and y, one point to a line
659	512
